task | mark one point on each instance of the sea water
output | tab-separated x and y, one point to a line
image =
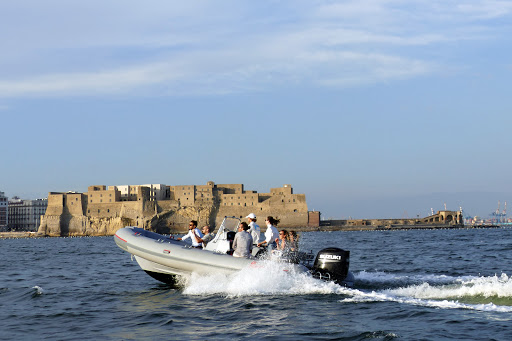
410	285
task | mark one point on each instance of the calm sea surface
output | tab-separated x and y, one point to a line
410	285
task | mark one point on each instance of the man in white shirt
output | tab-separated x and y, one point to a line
254	229
192	232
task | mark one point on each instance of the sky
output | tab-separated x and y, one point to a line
373	109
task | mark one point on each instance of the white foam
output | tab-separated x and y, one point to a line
480	286
383	277
270	279
445	296
38	290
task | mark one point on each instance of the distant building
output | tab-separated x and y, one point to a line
4	212
156	192
25	215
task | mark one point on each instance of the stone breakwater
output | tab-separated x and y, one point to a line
11	235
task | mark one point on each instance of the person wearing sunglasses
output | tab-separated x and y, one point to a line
193	232
283	242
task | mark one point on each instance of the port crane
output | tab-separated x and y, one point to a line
499	217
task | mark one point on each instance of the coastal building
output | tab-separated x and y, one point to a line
25	215
166	209
4	213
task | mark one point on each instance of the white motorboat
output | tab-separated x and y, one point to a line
164	258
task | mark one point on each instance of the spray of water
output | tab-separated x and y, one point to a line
268	278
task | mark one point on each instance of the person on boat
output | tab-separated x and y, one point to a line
192	232
270	234
283	242
294	241
208	235
254	229
242	244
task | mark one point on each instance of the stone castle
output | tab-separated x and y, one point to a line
103	210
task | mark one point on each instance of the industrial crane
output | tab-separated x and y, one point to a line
499	217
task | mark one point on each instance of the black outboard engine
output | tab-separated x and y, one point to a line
331	264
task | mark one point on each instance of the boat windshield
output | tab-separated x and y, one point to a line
229	224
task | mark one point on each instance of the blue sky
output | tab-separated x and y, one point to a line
372	109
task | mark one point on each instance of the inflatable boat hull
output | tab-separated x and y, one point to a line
164	258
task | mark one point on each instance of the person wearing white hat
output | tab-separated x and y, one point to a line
254	229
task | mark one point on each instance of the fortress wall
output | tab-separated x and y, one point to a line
105	210
50	226
243	200
79	226
295	202
87	226
55	204
131	209
74	203
124	209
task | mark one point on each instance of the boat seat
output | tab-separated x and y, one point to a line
230	237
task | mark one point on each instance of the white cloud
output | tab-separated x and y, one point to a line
214	72
58	49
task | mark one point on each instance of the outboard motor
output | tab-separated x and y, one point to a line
331	264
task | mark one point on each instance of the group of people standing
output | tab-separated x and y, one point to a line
248	235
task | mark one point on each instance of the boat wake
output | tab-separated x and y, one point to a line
492	293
